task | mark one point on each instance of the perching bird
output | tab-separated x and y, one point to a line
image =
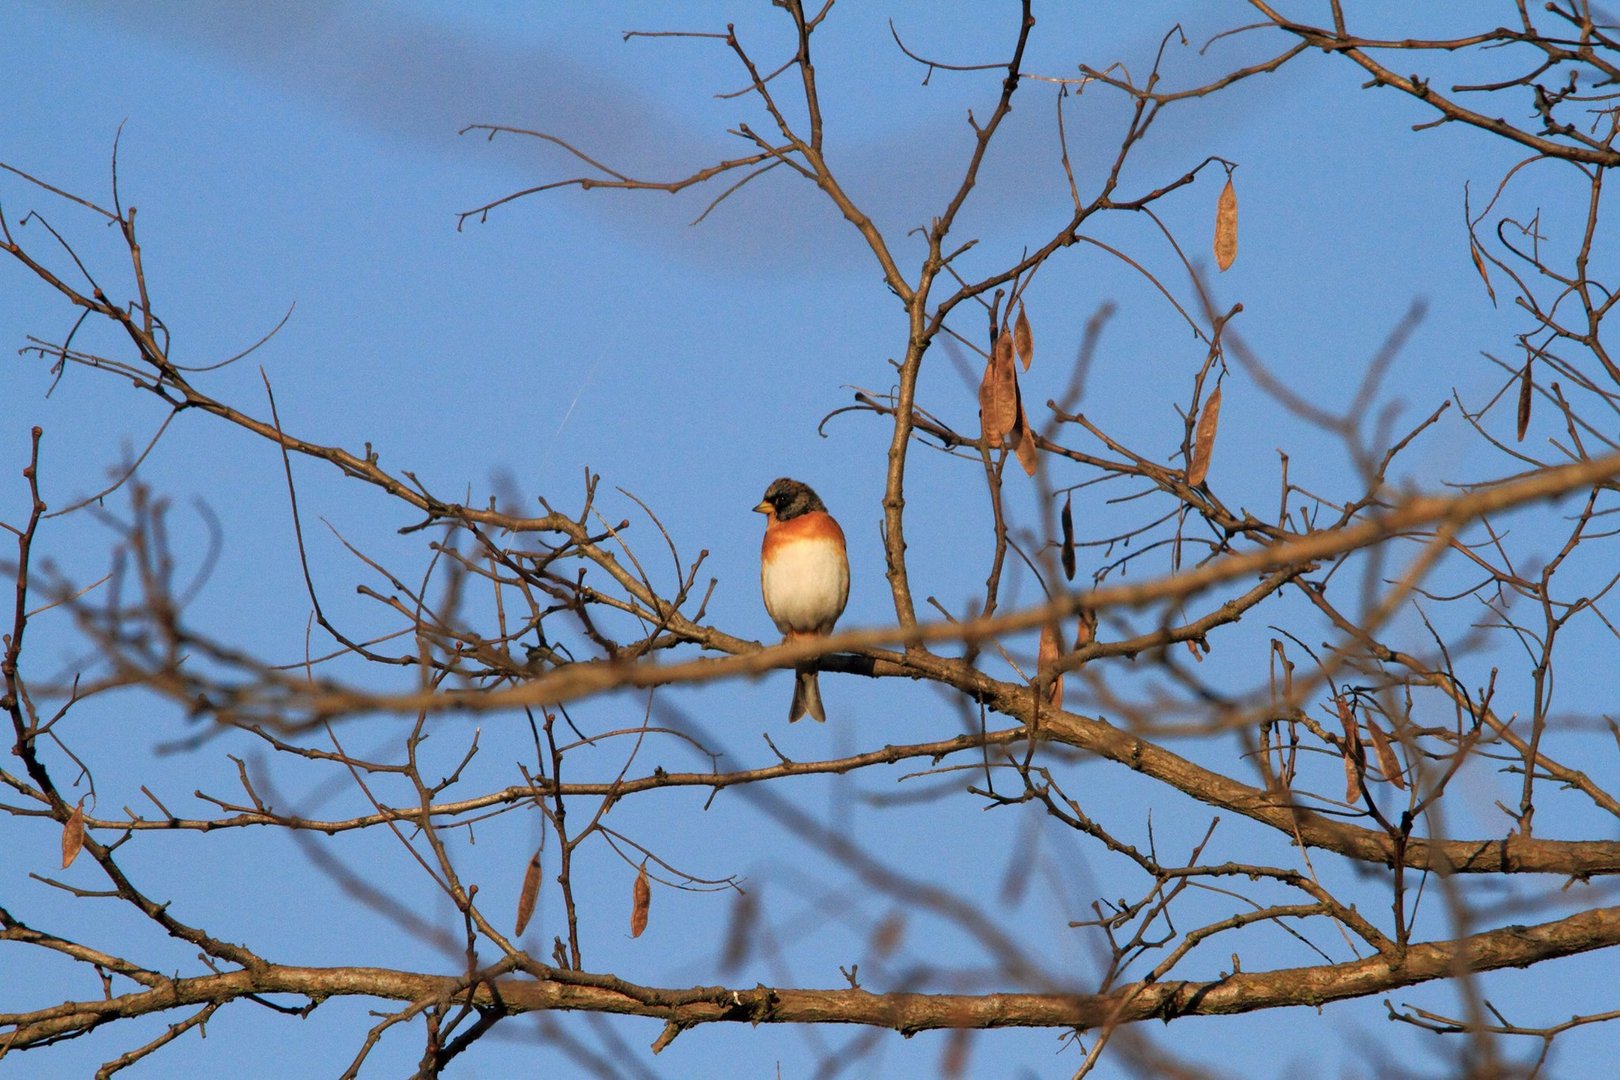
803	574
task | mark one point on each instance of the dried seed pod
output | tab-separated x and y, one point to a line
1388	764
1045	659
1066	521
1226	224
886	936
1526	393
641	900
1479	264
953	1061
1204	439
530	893
1024	440
73	835
1347	720
1088	629
998	393
740	933
1353	754
1023	338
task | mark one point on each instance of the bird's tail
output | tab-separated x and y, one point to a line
806	696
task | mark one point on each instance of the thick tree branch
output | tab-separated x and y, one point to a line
555	989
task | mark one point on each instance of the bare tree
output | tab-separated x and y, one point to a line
1314	682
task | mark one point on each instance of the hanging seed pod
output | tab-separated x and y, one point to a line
886	936
1204	439
1023	338
1347	721
1353	754
954	1060
641	900
73	836
1045	660
998	393
1526	394
1479	264
1066	521
1226	224
1087	633
740	932
530	893
1388	764
1024	440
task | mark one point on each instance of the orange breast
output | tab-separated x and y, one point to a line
804	574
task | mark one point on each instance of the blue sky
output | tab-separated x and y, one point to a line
306	156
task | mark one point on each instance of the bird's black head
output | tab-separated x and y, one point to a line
788	499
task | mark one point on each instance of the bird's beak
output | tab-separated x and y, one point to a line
764	508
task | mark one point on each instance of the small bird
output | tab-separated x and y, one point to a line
804	575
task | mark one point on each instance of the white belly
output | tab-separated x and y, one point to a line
805	587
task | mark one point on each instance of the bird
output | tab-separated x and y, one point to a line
803	575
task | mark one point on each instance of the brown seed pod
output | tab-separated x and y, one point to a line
1045	659
1479	264
1226	224
1526	393
1353	754
1388	764
73	836
1024	440
1347	720
953	1061
998	393
1023	338
1088	629
1204	439
740	932
1066	520
886	936
530	893
641	899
